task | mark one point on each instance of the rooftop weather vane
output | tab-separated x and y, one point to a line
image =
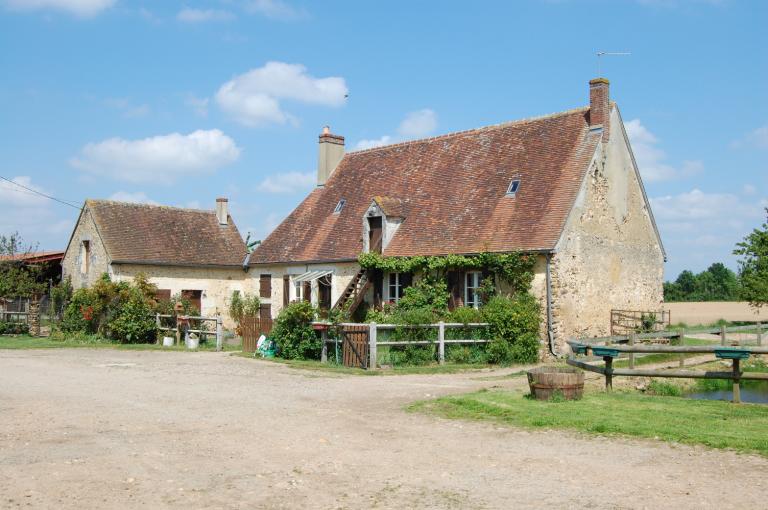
603	53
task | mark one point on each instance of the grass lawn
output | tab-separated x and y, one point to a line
715	424
448	368
29	342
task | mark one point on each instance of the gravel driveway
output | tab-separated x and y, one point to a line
110	429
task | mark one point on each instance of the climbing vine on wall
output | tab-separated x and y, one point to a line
515	269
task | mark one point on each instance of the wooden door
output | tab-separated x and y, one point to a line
355	346
265	319
375	234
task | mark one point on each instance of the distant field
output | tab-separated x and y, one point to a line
695	313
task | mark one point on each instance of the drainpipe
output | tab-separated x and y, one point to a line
550	332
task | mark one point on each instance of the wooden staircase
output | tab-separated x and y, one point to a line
355	292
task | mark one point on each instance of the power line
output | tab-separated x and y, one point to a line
39	193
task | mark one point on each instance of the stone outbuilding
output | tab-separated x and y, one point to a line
564	188
198	254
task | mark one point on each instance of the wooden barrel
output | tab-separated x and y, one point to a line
548	381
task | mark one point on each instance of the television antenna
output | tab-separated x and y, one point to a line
611	53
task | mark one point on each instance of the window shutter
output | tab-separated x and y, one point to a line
406	280
286	290
265	286
456	288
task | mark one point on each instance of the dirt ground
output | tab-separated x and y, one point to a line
708	312
130	429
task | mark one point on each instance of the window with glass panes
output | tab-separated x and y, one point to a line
472	286
395	287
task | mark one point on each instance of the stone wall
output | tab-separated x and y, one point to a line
98	260
609	256
216	284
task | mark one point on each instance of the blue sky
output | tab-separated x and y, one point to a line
179	102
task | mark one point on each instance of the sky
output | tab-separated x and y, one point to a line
177	103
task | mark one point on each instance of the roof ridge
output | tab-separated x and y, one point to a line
466	131
157	206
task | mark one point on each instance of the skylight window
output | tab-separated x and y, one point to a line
340	206
513	187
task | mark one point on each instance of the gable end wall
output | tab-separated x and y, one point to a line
98	263
609	256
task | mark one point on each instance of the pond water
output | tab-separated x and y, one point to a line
756	394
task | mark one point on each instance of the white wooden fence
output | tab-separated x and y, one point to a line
374	343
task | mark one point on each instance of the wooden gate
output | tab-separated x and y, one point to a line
355	346
251	328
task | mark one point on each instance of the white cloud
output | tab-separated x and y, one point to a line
289	182
40	220
138	197
418	124
749	189
80	8
188	15
159	159
757	138
17	196
275	9
198	104
253	98
370	144
712	222
652	160
698	205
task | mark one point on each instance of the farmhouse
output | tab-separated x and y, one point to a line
563	188
197	254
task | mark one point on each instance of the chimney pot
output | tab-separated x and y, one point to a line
600	105
222	210
331	152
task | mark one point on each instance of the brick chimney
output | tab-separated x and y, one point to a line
222	210
600	106
330	154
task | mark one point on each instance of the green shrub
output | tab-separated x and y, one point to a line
664	389
133	321
243	305
79	313
14	328
464	315
427	293
293	332
513	327
119	311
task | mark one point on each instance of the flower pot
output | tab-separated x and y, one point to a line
192	341
168	341
545	382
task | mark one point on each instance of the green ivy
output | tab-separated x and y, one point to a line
515	269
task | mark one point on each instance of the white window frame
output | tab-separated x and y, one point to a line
398	286
472	281
298	289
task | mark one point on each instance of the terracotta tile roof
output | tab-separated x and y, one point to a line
391	207
153	234
451	190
